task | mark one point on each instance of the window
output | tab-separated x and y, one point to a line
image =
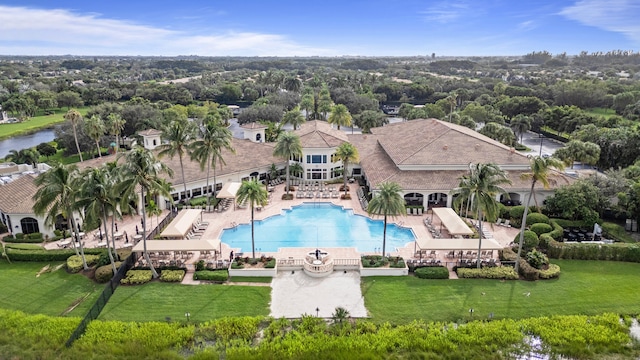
317	159
29	225
356	171
308	159
154	142
258	137
316	174
196	192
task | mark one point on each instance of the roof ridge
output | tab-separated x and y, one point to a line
424	146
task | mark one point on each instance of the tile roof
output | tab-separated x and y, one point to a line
435	142
379	166
149	132
16	196
320	134
253	125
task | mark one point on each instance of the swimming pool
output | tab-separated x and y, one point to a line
321	225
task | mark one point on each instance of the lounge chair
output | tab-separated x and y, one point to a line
499	221
507	223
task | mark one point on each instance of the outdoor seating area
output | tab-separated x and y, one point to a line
434	232
224	204
315	189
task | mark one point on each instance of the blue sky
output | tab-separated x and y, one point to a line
324	28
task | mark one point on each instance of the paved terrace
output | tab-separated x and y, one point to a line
234	215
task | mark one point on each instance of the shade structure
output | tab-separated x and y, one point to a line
454	224
458	244
180	226
228	190
178	245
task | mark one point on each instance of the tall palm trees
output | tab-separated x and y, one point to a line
482	186
388	201
74	116
520	125
208	149
97	200
347	153
340	116
255	194
540	173
116	123
288	145
294	117
142	169
57	193
94	126
178	134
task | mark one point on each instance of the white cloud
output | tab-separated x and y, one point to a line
446	12
527	25
42	32
611	15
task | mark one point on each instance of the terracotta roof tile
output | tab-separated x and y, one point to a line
16	196
320	134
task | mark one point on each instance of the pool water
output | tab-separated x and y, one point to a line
322	225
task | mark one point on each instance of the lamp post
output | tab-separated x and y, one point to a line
541	139
317	312
471	312
188	316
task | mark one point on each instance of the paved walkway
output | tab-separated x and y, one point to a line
296	294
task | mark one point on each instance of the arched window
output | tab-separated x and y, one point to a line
258	137
29	225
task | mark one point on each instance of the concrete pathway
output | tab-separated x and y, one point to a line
296	294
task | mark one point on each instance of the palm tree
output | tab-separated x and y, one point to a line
179	133
369	119
141	168
388	201
94	127
294	117
482	185
296	169
255	194
116	125
25	156
214	137
74	116
307	104
288	146
97	201
540	173
340	116
520	125
347	153
57	195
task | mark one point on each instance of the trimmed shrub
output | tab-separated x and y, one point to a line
537	218
74	262
432	272
211	275
516	212
35	236
530	240
373	261
270	264
537	259
551	273
20	236
136	277
527	271
545	239
556	233
611	252
105	273
507	254
499	272
172	275
47	255
24	239
200	265
541	228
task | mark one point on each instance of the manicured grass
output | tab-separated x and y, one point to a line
50	293
23	246
251	279
584	287
158	301
35	123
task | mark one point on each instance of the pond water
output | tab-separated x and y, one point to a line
25	141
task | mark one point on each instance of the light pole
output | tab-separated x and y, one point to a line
188	316
317	312
541	139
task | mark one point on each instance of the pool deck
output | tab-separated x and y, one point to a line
234	215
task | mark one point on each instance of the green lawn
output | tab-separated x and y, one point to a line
158	301
585	287
604	112
35	123
251	279
50	293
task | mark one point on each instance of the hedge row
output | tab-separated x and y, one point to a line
47	255
211	275
432	272
105	273
612	252
530	273
74	262
500	272
137	277
172	275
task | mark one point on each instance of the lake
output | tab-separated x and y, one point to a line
25	141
